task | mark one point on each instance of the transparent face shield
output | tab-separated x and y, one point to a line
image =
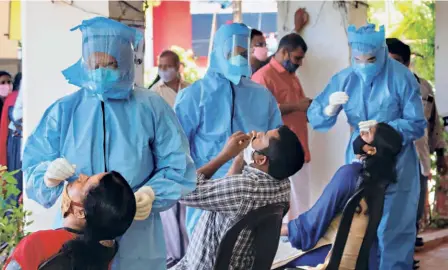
108	62
236	52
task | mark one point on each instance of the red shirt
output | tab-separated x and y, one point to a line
4	123
286	88
38	247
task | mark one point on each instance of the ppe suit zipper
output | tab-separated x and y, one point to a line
232	113
104	134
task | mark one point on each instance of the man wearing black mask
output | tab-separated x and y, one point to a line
279	76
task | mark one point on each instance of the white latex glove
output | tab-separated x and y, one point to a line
58	171
337	99
364	126
144	197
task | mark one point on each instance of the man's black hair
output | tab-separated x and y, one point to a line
398	47
291	42
285	154
255	33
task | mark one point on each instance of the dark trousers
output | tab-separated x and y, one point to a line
422	199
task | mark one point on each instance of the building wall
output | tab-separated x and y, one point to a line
48	48
171	26
328	53
8	48
441	56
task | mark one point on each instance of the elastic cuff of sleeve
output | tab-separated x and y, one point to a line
49	183
330	110
149	191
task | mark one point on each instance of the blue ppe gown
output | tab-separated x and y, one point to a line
392	97
221	103
110	125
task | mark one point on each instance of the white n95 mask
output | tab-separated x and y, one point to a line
248	154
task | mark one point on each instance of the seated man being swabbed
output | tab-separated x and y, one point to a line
272	157
96	211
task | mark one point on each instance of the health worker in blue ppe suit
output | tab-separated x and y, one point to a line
111	125
223	102
377	89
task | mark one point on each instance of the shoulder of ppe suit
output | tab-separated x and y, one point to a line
191	93
150	100
250	85
339	79
64	104
407	79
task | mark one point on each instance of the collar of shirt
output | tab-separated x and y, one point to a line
258	173
277	66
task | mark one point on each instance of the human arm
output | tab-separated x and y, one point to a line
41	148
306	230
422	147
220	195
412	123
174	174
317	117
437	142
301	18
234	146
301	106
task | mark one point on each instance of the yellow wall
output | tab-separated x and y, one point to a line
8	48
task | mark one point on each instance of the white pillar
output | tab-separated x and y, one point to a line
328	53
48	48
441	56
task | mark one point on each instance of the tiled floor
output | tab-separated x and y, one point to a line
434	259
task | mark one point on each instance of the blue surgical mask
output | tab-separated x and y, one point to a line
289	66
367	71
238	61
103	80
104	75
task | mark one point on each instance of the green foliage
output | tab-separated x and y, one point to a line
190	69
12	216
414	23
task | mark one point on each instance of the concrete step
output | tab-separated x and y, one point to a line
433	239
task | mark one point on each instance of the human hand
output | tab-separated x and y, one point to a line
301	18
144	198
58	171
284	230
441	165
236	143
304	104
336	100
369	135
364	126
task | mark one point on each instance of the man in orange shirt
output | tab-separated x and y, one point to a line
279	77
